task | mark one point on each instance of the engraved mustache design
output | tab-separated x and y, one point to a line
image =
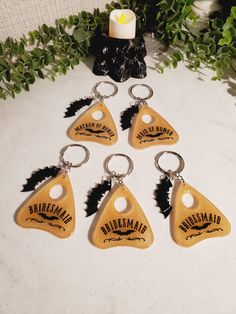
154	135
157	136
112	239
49	223
119	239
214	230
119	232
135	238
207	231
43	215
204	226
57	226
96	135
194	235
35	219
94	131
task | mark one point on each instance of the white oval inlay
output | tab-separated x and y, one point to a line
56	191
121	204
97	115
188	200
147	118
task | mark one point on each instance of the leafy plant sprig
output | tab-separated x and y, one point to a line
214	46
47	51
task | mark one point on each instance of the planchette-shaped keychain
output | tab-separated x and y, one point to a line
96	123
45	211
190	222
111	227
147	127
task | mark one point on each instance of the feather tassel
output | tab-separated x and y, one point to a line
38	176
127	116
95	195
161	195
77	105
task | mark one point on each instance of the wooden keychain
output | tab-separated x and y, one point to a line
96	123
44	211
111	227
147	127
190	222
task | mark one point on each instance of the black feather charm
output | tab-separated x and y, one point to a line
38	176
161	195
95	195
127	116
77	105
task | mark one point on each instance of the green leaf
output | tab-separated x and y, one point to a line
36	34
46	29
233	12
1	49
221	42
37	52
16	88
217	23
21	48
49	58
30	78
26	87
62	29
62	21
178	56
8	75
40	74
81	36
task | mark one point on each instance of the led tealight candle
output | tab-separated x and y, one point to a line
122	24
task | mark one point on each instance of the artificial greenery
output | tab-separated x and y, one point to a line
49	51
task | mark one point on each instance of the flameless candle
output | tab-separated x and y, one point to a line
122	24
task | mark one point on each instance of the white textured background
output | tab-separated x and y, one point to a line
18	17
41	274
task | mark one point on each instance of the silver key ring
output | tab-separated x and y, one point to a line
168	172
99	95
114	174
150	92
65	163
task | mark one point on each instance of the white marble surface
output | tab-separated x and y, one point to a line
40	273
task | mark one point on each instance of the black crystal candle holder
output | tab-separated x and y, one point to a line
119	58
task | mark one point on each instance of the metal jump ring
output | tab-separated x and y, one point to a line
168	172
99	95
64	162
118	175
150	92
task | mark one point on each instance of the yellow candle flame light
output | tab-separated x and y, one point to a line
122	18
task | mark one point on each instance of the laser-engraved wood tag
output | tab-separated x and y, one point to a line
86	128
128	228
40	211
156	132
200	221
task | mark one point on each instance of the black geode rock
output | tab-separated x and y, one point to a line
119	58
